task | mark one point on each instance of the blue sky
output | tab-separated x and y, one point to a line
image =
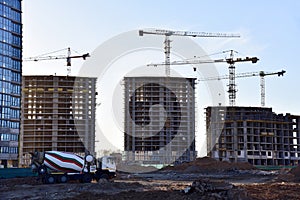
269	30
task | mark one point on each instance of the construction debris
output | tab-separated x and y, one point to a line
208	189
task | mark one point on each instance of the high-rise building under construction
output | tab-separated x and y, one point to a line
159	120
253	134
58	113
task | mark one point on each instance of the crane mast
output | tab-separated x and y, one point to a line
262	84
231	85
167	41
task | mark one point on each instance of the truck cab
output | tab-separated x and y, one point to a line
107	166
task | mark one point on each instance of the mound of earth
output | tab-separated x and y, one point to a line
296	171
206	164
292	175
133	168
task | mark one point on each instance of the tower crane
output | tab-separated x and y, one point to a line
67	57
231	61
261	74
167	42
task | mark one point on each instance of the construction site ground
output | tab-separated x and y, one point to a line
202	179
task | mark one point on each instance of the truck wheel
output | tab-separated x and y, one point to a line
87	178
104	176
63	179
50	179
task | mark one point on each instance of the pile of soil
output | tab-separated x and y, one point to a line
133	168
295	171
208	165
292	175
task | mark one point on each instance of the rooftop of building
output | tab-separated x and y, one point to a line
255	109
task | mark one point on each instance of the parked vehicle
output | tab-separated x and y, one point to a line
60	167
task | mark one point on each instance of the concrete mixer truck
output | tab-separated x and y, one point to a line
60	167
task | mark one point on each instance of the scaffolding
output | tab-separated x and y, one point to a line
58	113
159	120
253	134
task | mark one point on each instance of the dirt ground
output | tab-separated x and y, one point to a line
202	179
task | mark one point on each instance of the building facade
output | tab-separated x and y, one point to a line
10	80
159	120
253	134
58	113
